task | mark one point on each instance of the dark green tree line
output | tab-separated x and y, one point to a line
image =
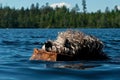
60	17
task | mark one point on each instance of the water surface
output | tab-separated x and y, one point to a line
16	47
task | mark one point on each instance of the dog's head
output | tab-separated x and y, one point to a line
43	55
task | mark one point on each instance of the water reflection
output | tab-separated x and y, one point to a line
79	66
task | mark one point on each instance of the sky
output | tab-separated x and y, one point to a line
92	5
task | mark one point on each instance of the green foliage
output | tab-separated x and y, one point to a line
47	17
84	6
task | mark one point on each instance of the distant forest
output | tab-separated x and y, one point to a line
59	17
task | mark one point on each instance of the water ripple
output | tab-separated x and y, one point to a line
16	47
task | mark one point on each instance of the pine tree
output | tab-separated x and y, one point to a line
84	6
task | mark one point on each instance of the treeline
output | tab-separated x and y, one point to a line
60	17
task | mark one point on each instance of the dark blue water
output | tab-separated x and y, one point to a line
16	47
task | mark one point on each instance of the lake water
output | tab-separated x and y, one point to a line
16	47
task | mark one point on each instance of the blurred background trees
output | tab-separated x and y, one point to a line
59	17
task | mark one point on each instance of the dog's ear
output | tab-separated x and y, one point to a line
36	51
